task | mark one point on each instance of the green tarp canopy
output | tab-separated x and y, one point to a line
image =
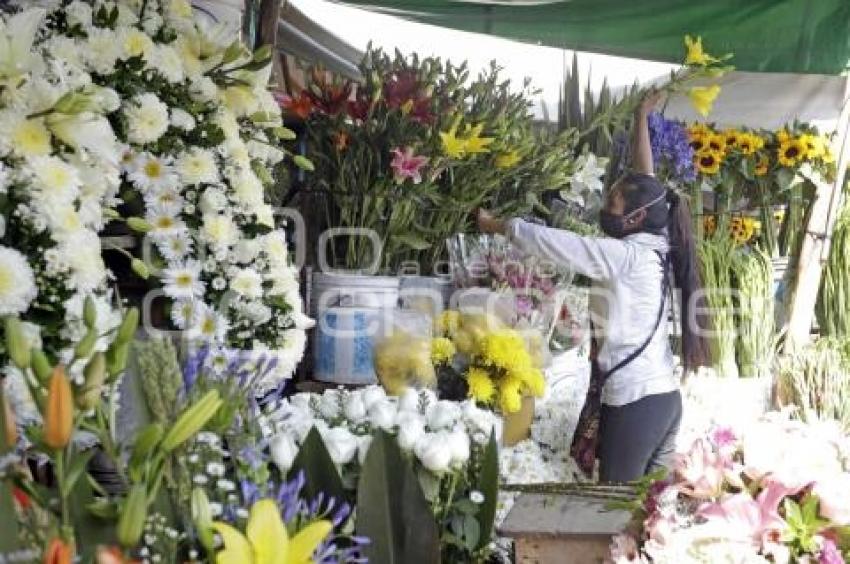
799	36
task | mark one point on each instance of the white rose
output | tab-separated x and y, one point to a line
329	405
283	451
834	496
382	416
341	444
373	395
409	400
458	443
410	430
434	454
443	415
355	409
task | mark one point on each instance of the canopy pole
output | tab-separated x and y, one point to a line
818	238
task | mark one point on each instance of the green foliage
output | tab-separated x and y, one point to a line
803	525
757	338
833	305
488	485
391	509
319	469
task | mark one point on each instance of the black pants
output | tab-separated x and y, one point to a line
639	437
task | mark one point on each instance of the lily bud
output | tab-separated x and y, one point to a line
10	429
233	52
263	54
88	397
284	134
127	329
303	163
139	225
90	313
16	343
202	517
85	347
58	552
116	358
59	410
140	268
192	421
74	103
41	366
131	524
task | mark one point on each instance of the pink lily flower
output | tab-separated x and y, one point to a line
406	165
701	471
755	520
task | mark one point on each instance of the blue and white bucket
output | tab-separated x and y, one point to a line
344	344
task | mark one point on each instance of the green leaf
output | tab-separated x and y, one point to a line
91	530
319	469
9	540
412	241
76	468
391	510
488	484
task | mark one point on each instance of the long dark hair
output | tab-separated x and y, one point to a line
672	216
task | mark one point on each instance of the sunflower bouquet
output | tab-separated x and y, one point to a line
477	356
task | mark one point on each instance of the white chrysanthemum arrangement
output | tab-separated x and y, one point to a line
184	125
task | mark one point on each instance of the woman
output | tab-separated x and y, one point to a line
648	229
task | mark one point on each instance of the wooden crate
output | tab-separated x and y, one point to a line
562	528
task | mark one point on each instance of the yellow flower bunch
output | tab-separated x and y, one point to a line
470	143
742	229
403	360
793	149
500	367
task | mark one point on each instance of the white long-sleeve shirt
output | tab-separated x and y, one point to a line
624	301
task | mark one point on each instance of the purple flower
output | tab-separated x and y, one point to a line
723	437
829	553
671	151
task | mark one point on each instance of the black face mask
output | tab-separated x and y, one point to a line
612	224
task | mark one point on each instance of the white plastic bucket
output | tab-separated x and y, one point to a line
352	290
343	344
427	294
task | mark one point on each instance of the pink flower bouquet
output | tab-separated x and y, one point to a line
779	491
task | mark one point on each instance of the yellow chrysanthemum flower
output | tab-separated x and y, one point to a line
447	323
510	395
708	162
481	386
506	350
507	160
402	360
532	380
791	152
696	55
442	350
702	98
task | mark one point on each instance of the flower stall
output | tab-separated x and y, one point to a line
152	318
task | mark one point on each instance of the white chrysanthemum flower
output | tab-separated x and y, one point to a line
276	249
25	137
198	166
152	22
55	179
240	100
213	201
284	281
175	247
166	200
181	119
183	313
219	230
165	60
102	50
62	219
66	49
202	89
83	256
265	216
165	222
147	119
78	13
226	120
248	190
183	281
248	283
17	282
152	173
246	250
209	325
235	152
134	43
179	9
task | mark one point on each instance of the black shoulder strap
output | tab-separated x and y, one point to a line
665	282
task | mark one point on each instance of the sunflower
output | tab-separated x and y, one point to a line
731	136
741	229
762	165
699	130
709	224
782	135
699	142
717	143
708	162
815	147
749	143
791	152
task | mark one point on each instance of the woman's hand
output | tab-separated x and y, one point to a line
489	223
650	100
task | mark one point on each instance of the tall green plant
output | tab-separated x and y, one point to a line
756	326
833	305
716	256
